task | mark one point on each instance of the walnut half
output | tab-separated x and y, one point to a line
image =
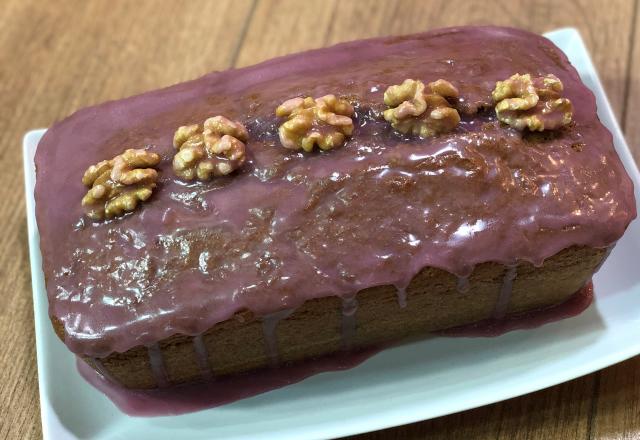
325	122
215	148
412	111
117	185
533	103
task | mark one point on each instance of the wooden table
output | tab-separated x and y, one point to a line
56	57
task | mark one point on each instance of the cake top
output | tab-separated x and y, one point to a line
290	225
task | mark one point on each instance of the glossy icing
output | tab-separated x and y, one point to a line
401	293
349	309
294	226
269	326
158	367
506	289
202	356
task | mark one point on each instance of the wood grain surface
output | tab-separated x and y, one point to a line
59	56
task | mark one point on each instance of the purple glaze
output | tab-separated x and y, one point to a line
202	356
290	226
269	326
506	290
158	367
202	395
349	309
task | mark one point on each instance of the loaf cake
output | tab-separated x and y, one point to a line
325	201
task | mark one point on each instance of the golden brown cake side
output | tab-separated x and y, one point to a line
434	302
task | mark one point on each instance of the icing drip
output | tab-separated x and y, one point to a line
349	324
463	284
401	292
505	292
100	368
202	356
269	326
157	365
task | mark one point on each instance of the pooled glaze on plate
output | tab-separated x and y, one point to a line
291	226
209	394
197	396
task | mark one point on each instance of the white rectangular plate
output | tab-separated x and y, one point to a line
417	381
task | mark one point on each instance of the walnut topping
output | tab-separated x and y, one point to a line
423	114
523	102
117	185
325	122
215	148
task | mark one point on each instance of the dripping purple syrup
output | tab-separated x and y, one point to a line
203	395
197	396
